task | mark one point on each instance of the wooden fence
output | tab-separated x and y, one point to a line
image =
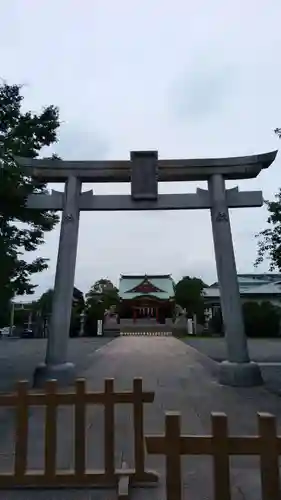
22	400
219	445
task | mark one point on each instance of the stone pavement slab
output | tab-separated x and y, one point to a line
19	357
260	350
266	352
183	380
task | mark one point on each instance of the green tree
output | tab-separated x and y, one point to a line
78	306
189	295
43	307
22	133
261	320
269	244
101	286
101	296
102	292
44	304
216	323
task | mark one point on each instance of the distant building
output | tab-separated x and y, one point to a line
253	287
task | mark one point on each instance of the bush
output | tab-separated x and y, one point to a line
261	320
216	323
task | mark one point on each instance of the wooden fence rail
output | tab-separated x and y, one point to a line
22	400
219	445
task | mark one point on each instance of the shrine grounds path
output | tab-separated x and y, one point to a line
183	379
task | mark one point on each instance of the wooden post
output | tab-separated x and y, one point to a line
123	484
220	457
138	427
173	455
80	429
51	431
21	445
109	438
269	457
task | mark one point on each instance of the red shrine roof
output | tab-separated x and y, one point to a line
158	286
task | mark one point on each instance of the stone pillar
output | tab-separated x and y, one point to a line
29	322
194	323
82	323
12	318
237	370
56	365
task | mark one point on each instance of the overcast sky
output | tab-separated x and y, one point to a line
189	79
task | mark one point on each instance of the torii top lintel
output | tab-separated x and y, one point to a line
244	167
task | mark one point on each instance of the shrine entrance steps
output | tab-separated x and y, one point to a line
149	334
146	327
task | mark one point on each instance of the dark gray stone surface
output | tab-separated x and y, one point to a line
19	357
240	374
190	201
65	374
265	352
260	350
65	272
237	348
243	167
144	185
183	380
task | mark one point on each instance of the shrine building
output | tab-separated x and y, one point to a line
146	297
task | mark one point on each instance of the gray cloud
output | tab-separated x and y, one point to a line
200	92
188	79
77	142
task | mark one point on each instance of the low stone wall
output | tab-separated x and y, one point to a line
110	332
145	324
147	328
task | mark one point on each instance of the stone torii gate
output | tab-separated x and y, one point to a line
144	170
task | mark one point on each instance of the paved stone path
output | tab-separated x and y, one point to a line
183	380
19	357
261	350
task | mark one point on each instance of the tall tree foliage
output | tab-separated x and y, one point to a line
269	244
189	295
101	296
43	308
22	133
261	320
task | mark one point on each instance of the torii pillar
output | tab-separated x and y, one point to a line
56	365
237	370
